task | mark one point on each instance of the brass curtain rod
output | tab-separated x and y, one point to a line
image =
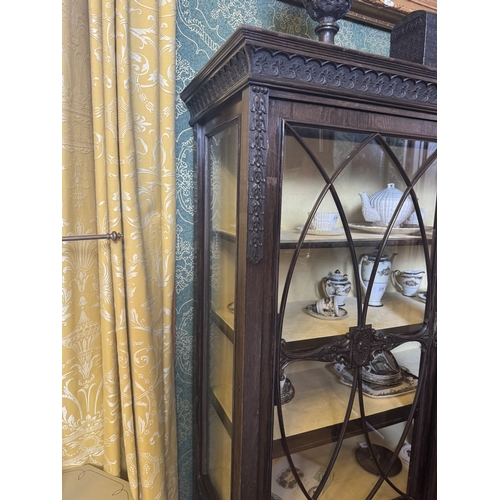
110	236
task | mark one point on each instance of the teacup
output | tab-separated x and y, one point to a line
328	307
324	221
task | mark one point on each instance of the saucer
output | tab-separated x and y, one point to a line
338	231
422	296
311	309
381	230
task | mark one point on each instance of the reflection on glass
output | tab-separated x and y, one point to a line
223	151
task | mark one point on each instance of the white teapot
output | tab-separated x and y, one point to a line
379	207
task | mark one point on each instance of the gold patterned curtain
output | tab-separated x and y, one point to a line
118	159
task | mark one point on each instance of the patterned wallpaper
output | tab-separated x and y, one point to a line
202	27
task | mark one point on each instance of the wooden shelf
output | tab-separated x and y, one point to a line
397	311
377	13
224	319
289	239
318	409
315	415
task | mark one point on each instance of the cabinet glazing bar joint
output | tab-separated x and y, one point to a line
360	342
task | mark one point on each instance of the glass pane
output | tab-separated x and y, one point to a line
373	186
223	154
357	220
312	422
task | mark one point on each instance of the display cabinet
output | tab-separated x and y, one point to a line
316	272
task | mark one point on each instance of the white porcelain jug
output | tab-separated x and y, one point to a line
382	276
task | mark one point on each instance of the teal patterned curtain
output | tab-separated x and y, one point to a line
202	27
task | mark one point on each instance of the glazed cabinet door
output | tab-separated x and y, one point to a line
356	301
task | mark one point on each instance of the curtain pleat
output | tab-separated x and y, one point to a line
129	298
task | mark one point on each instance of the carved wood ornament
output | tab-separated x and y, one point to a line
253	56
257	171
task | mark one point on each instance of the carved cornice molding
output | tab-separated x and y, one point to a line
345	77
261	57
228	77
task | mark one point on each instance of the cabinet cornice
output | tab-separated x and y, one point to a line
285	62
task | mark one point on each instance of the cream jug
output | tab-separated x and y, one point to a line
408	282
382	276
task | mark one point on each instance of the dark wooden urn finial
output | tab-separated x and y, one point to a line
327	13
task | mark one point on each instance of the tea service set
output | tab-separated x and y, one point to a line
378	210
336	286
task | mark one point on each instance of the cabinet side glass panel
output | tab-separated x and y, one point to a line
223	164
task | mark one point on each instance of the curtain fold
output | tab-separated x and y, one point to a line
118	175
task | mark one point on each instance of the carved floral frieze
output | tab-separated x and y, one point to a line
342	76
267	65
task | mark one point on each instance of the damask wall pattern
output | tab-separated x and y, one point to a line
202	26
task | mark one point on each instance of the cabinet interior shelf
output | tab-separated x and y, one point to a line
330	434
289	240
349	480
300	330
314	417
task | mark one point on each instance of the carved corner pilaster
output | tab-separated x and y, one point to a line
258	146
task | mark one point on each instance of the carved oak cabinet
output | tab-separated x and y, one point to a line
316	276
